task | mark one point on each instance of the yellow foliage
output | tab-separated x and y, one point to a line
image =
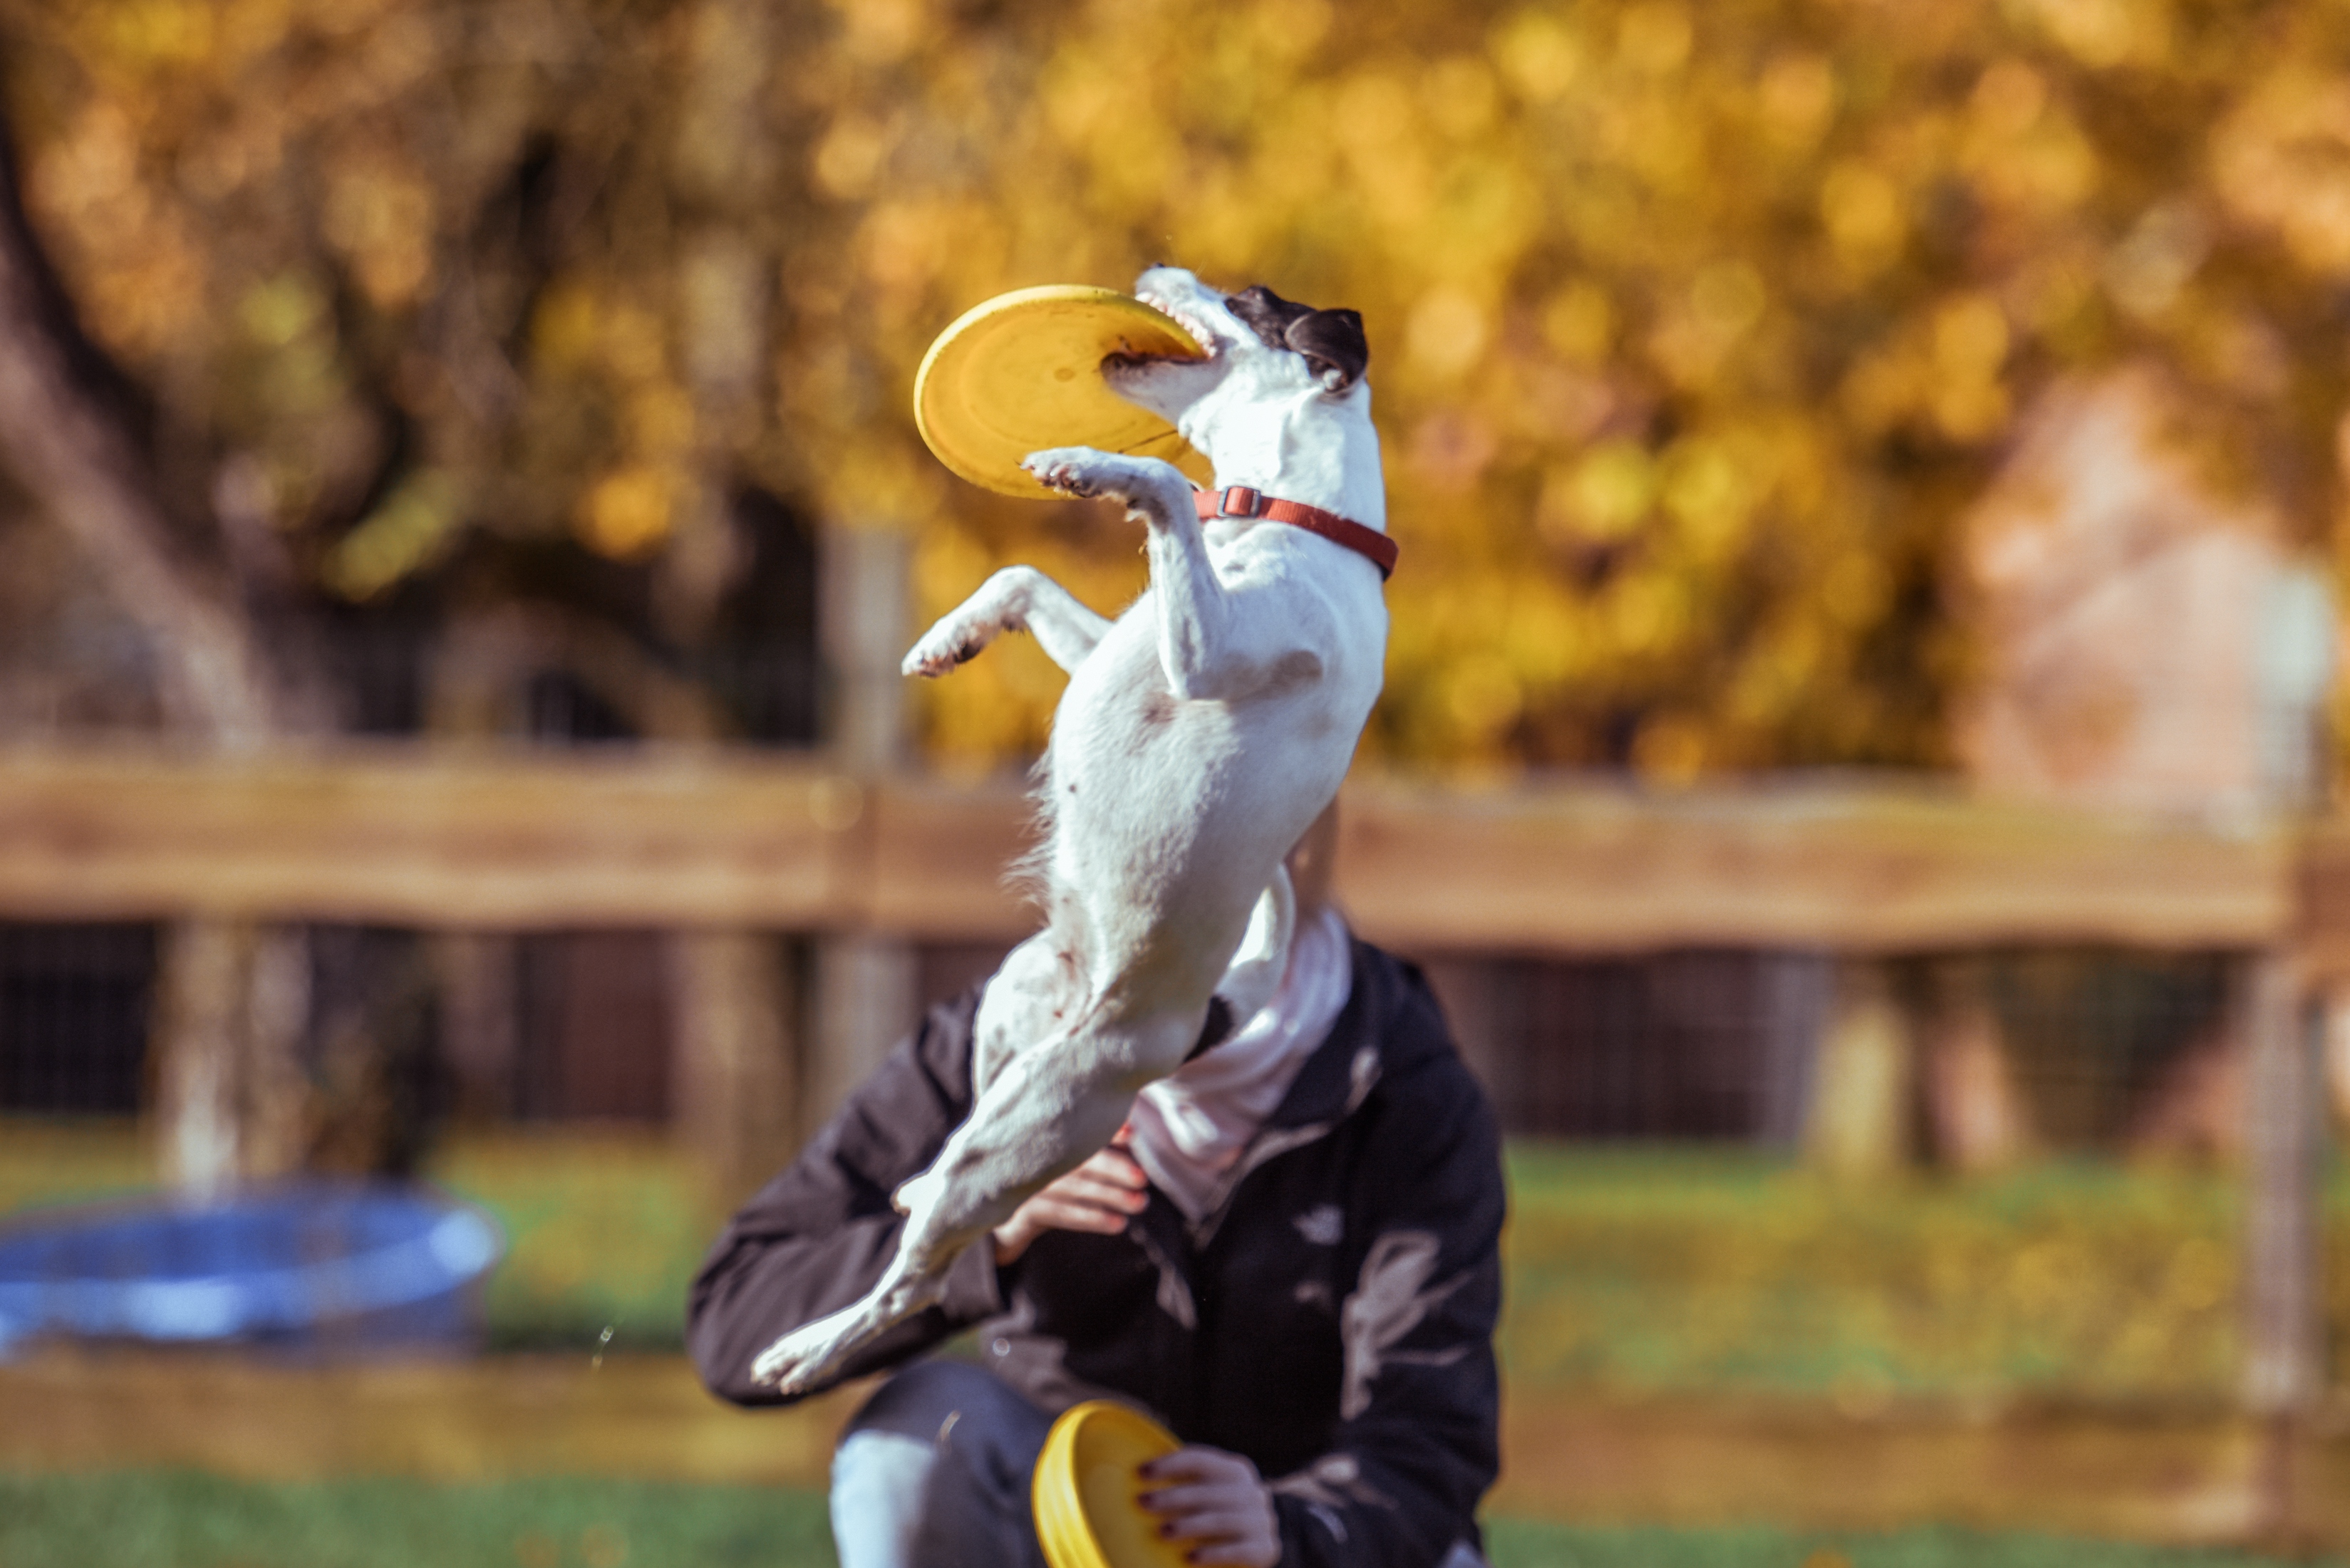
628	513
1694	326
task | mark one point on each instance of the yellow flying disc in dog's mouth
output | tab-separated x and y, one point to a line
1088	1488
1023	372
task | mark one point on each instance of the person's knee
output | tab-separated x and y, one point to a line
934	1471
931	1399
987	1433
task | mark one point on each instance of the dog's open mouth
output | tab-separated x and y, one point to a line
1203	336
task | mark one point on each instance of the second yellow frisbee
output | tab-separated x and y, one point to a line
1088	1491
1023	372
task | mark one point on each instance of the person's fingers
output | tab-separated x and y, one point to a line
1095	1179
1113	1165
1061	1214
1097	1197
1086	1186
1210	1524
1199	1463
1199	1497
1056	1203
1216	1499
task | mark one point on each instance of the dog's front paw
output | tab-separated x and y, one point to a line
941	649
1082	471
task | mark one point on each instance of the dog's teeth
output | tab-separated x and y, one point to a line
1191	324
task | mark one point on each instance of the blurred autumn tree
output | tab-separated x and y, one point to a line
1693	326
320	323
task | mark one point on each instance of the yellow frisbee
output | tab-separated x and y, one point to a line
1023	372
1088	1489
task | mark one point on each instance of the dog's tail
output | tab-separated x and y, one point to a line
1255	971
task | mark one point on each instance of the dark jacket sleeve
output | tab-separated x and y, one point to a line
819	1235
1417	1443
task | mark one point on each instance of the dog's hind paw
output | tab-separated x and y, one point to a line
815	1354
800	1360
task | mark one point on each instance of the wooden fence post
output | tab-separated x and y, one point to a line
1975	1113
1865	1080
2284	1299
864	983
2284	1328
1799	999
732	1088
231	1102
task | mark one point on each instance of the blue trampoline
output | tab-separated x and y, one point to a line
325	1268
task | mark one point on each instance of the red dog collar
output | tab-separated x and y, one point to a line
1240	501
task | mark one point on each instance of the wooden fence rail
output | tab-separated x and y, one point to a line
522	839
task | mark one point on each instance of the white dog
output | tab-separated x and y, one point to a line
1202	733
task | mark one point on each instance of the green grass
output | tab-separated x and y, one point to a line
604	1231
177	1521
1673	1270
1693	1271
1516	1544
1654	1270
183	1520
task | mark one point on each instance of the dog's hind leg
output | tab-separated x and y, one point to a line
1049	1107
1024	1003
1016	598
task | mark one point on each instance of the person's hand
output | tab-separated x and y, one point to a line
1098	1196
1213	1497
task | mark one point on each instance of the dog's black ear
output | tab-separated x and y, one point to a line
1333	344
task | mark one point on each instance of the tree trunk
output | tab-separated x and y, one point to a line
231	1093
866	985
66	444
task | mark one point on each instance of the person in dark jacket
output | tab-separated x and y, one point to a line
1290	1258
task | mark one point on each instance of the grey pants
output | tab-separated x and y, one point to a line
933	1472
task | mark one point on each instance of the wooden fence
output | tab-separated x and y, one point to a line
715	841
641	838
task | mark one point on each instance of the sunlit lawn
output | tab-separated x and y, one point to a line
1690	1271
144	1521
1686	1272
1650	1269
